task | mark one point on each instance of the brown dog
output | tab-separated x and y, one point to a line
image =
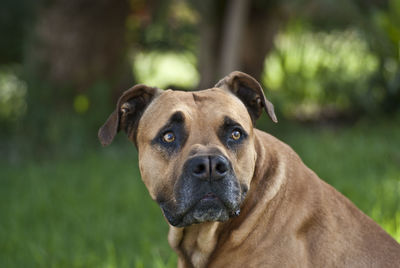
235	196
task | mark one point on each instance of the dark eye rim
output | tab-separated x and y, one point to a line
225	134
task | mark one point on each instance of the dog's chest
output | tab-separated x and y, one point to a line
196	243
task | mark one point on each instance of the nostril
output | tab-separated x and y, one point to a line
208	167
199	169
221	168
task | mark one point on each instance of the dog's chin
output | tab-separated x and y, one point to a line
205	210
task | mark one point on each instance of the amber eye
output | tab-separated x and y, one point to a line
169	137
236	134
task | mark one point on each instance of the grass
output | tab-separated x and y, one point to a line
92	210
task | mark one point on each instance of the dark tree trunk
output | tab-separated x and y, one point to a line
236	35
232	36
79	42
210	31
260	31
74	63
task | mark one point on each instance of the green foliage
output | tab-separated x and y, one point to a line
315	72
12	95
163	25
383	32
92	210
166	69
387	23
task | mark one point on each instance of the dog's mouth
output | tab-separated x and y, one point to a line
209	197
207	208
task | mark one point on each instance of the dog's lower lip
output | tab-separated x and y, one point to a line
209	196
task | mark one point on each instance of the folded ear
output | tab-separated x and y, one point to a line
126	115
250	92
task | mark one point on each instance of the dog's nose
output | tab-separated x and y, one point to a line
212	167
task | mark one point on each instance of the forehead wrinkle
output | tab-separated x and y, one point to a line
210	118
209	102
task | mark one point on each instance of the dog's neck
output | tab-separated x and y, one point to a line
196	244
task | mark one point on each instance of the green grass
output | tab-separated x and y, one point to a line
93	210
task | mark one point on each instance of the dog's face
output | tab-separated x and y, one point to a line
196	154
196	149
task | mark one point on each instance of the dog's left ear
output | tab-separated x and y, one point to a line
128	112
250	92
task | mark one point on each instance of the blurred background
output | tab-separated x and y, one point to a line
331	68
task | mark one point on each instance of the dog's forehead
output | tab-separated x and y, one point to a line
211	105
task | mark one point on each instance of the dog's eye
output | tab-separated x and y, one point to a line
169	137
236	134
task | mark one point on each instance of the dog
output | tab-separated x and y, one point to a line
235	196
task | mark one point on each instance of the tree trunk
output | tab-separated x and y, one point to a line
77	47
210	29
80	42
258	40
236	35
235	21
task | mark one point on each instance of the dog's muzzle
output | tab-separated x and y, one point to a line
207	190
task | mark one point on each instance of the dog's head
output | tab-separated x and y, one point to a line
196	149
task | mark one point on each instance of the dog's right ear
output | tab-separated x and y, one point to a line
126	116
250	92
